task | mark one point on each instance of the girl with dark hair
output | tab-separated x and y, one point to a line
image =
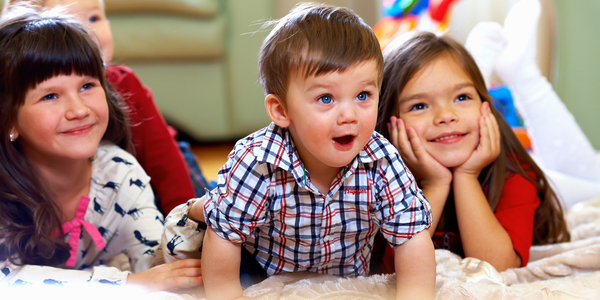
489	199
70	198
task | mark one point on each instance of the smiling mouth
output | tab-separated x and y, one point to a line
447	137
344	140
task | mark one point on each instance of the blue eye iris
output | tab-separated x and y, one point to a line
462	97
326	99
418	107
362	96
87	86
49	97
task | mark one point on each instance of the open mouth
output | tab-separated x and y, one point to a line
344	140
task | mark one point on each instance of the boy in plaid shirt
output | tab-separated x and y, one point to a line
309	191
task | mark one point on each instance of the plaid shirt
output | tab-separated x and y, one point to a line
265	199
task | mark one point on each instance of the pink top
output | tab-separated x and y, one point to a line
74	227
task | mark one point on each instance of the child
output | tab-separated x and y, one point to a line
60	166
155	147
309	191
488	197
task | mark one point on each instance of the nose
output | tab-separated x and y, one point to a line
347	113
77	108
446	114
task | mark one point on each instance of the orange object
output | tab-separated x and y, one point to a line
523	137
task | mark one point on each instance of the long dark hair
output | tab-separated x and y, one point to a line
403	60
36	46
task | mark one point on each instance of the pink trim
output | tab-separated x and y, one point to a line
74	227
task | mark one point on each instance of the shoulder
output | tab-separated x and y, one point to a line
112	165
378	148
123	79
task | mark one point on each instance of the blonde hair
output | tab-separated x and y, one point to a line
315	39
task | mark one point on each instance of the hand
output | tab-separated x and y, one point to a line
489	144
427	170
167	277
196	212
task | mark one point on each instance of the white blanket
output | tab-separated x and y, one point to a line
561	271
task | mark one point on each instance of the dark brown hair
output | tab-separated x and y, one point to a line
404	59
36	46
315	39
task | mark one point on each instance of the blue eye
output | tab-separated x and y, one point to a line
87	86
326	99
93	19
49	97
462	97
363	96
418	106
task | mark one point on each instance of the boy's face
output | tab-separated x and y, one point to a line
91	14
332	116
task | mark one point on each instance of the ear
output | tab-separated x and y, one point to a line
276	111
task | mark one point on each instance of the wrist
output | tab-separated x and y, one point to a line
196	212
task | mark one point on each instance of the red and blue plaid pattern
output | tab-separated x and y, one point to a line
266	200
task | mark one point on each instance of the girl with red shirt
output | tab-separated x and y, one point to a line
488	197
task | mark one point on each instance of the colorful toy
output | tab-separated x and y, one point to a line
401	16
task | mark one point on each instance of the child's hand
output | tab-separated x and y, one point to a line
196	212
489	144
176	275
424	167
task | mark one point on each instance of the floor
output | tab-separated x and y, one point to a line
211	157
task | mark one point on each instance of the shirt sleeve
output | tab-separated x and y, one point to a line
14	275
516	213
238	204
182	237
156	149
402	208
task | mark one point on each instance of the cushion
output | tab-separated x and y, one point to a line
160	37
197	8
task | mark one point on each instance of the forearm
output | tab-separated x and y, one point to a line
221	267
415	268
437	196
481	234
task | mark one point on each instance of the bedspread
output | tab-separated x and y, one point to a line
560	271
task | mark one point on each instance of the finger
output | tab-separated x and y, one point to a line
393	129
174	283
417	147
495	136
406	148
184	263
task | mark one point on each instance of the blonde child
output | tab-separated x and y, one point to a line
488	197
60	165
154	145
309	191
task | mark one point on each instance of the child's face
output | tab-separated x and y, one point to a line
332	116
62	117
91	14
442	105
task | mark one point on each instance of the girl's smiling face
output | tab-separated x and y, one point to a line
63	117
441	104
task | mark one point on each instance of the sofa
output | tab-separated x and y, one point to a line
199	57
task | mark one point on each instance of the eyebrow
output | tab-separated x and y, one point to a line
457	87
365	83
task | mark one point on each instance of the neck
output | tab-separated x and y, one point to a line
321	175
66	182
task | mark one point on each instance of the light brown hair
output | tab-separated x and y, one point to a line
403	61
315	39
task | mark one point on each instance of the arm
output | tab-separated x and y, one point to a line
433	178
415	268
221	260
481	234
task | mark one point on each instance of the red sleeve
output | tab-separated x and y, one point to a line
156	149
516	211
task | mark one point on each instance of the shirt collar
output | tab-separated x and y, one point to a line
277	148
